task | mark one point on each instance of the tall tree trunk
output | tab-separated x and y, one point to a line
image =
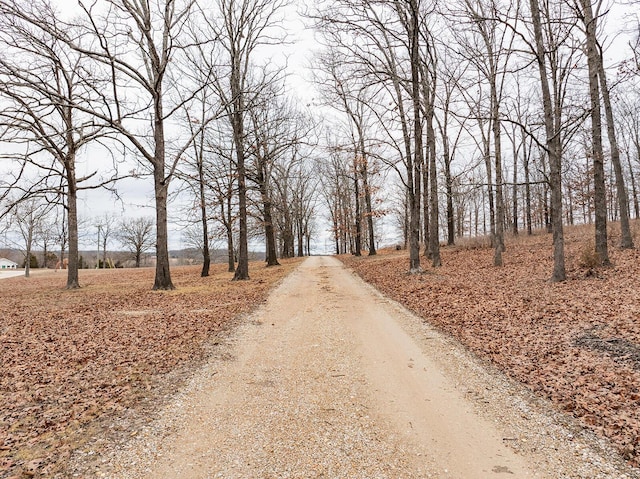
515	184
600	194
229	227
73	279
358	214
27	261
623	198
269	230
449	187
496	126
634	190
163	275
553	147
434	217
206	254
336	233
426	222
492	209
300	237
418	161
242	269
161	189
411	222
287	236
368	206
270	235
104	251
405	222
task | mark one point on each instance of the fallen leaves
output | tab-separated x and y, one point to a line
577	342
71	362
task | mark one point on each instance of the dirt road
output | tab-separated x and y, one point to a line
330	379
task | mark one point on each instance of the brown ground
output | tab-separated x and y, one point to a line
577	343
82	370
77	366
329	379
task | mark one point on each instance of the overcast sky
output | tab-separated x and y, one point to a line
136	197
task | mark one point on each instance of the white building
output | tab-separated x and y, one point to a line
7	264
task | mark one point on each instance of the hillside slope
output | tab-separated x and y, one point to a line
577	342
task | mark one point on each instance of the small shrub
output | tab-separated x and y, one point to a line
589	259
473	243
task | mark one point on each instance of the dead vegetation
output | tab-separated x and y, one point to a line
577	342
77	366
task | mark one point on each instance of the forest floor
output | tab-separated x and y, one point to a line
576	343
85	367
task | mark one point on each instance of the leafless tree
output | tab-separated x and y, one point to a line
194	170
242	27
553	145
135	46
488	45
276	134
597	151
105	226
45	86
26	219
337	195
380	38
136	235
451	73
628	114
355	102
599	91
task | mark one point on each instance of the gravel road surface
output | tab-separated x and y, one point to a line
330	379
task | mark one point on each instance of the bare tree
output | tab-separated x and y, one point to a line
221	177
490	55
194	173
597	152
243	27
629	124
553	143
451	72
136	235
377	37
355	101
105	226
26	218
595	54
276	133
336	191
47	237
194	238
135	45
45	86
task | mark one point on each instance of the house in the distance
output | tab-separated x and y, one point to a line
7	264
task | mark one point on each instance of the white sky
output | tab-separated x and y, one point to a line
136	196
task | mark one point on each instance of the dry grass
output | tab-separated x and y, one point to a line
77	365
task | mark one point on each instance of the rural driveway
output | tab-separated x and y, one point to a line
330	379
10	274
